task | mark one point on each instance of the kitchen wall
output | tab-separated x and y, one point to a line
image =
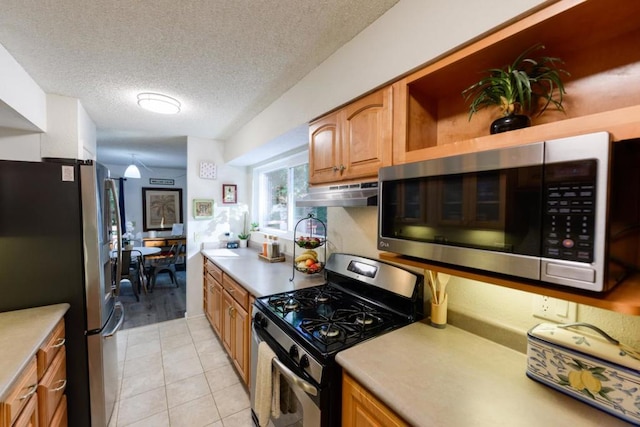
410	34
226	218
498	313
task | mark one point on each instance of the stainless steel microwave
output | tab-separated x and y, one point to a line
542	211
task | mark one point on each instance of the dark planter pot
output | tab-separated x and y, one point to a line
507	123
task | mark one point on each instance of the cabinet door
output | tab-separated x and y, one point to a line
216	307
366	144
241	341
324	149
228	327
361	409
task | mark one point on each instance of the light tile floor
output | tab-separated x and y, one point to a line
175	374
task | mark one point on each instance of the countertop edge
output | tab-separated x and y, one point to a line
257	276
32	326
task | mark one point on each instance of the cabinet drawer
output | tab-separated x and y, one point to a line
51	388
213	270
29	415
50	348
25	386
154	243
60	418
238	293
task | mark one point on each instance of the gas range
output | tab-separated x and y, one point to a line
361	299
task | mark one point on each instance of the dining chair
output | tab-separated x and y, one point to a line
131	270
164	262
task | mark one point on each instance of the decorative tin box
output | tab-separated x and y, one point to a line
597	370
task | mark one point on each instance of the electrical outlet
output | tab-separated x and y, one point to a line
556	310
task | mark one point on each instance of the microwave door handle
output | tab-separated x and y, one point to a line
296	380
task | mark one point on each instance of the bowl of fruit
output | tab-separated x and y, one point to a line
308	263
309	242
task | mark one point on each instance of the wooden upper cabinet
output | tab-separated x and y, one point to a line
353	142
324	149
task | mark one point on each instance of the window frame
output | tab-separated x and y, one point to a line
290	161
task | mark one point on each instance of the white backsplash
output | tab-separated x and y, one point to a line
498	313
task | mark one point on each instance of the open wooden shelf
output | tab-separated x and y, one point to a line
596	39
624	298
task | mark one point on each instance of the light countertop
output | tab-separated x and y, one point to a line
259	276
21	334
450	377
430	377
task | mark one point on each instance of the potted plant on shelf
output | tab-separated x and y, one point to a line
244	237
526	86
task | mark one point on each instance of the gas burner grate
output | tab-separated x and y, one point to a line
344	324
303	299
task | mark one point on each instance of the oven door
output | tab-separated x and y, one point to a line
307	413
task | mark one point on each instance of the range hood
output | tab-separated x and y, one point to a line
343	195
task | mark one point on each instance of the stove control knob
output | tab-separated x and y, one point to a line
260	320
304	361
293	352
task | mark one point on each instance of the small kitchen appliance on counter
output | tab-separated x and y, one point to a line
596	369
305	328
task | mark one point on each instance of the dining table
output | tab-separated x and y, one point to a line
144	251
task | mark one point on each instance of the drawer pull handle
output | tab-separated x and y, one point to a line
63	384
230	290
60	343
32	390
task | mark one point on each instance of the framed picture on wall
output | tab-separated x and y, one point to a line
161	208
202	208
229	193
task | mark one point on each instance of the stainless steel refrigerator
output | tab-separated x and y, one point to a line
57	219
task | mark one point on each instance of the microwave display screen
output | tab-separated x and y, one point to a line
577	170
496	210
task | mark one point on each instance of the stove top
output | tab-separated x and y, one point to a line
329	318
362	298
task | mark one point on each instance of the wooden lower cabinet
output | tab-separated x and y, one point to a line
51	388
362	409
21	396
227	306
29	415
37	397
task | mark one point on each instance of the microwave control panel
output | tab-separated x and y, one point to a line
569	218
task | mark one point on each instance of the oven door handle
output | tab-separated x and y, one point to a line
299	382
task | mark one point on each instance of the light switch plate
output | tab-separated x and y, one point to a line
556	310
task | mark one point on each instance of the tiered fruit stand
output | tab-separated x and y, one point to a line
309	234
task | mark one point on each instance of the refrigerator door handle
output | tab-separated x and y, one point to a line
110	334
111	187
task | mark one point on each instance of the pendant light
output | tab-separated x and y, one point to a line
132	171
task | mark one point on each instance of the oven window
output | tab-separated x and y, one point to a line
496	210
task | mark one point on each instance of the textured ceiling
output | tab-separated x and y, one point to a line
225	60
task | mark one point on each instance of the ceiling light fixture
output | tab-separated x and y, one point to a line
132	171
158	103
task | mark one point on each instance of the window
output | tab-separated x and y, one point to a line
276	186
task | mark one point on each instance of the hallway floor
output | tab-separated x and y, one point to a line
176	373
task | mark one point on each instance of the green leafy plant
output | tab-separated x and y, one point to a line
518	87
243	236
